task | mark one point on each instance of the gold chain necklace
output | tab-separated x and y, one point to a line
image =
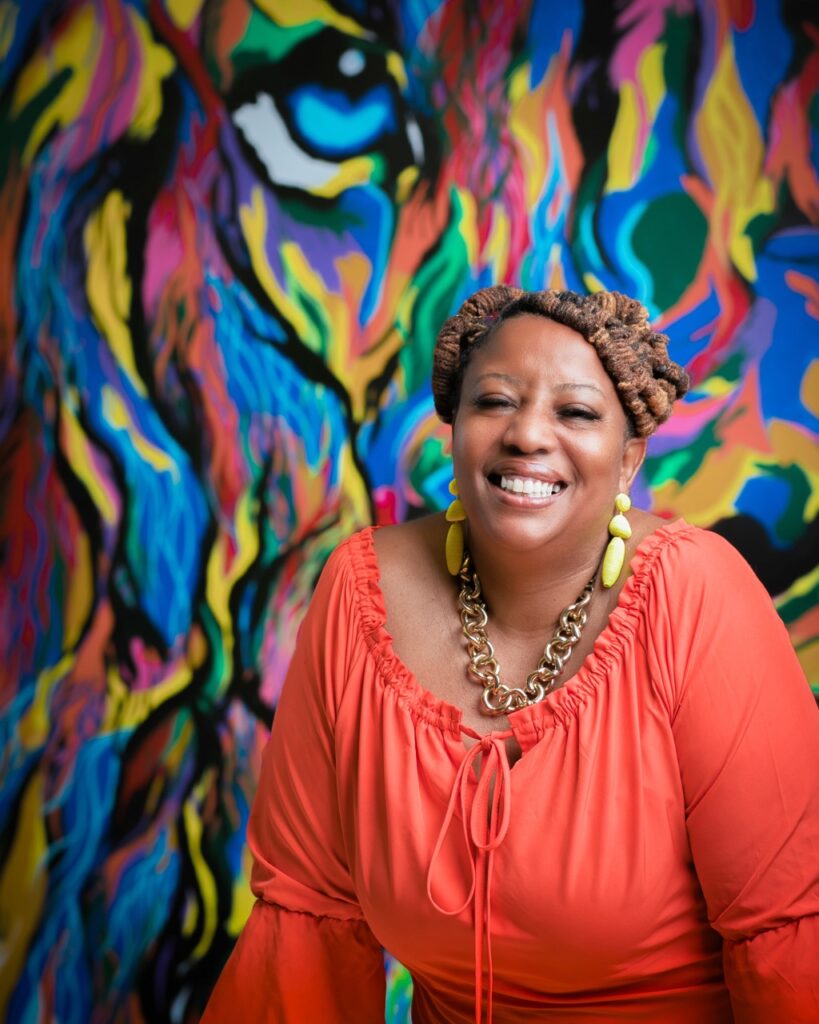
498	699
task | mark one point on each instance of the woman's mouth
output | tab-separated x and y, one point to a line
527	486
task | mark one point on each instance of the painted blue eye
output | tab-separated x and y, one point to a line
334	125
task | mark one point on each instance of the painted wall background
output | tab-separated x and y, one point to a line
228	234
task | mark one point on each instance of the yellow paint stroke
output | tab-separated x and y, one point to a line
733	151
253	219
243	898
527	124
79	452
8	25
295	15
467	213
639	103
710	493
117	414
348	353
241	906
303	281
358	170
793	445
184	12
398	69
496	250
592	282
126	708
327	329
79	596
33	728
405	183
22	887
623	142
356	495
651	75
157	64
107	282
808	654
809	392
716	386
224	569
76	50
204	876
800	588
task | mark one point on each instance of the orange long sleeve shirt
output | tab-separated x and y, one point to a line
652	856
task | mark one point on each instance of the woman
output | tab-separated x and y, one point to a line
623	826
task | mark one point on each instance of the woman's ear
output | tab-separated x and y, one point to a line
634	452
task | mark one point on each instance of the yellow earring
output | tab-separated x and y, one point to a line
620	532
456	517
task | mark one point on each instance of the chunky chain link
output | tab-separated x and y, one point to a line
497	698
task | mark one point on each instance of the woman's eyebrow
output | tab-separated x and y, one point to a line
569	385
578	385
506	377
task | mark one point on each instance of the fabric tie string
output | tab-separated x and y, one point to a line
484	826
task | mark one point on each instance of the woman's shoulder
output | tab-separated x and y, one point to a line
400	545
691	568
410	556
696	549
400	558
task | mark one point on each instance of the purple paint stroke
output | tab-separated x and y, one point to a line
755	334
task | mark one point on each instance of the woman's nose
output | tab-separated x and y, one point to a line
530	430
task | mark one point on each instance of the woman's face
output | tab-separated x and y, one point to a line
539	441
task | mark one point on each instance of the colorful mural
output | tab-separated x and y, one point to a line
229	234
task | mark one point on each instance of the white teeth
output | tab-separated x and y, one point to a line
527	485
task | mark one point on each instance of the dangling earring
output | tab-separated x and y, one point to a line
456	517
616	551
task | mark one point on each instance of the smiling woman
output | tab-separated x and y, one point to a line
583	838
537	408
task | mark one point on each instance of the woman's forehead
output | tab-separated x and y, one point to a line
530	343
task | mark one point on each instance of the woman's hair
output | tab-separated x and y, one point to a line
633	355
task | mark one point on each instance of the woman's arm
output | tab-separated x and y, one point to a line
747	733
306	953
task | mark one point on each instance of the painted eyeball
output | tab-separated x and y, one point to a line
329	114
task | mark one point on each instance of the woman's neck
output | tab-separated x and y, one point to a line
524	590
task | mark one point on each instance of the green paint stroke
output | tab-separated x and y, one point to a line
791	524
431	299
681	465
673	265
265	43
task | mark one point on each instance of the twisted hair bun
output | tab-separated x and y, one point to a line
634	356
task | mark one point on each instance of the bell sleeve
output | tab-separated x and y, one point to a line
306	952
746	728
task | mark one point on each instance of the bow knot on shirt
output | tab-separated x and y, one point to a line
485	809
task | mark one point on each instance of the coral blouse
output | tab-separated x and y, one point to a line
652	856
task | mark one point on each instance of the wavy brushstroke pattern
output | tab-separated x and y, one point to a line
230	232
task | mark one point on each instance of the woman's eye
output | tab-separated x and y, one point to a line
493	402
579	412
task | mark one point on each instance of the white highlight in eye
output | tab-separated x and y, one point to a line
287	164
351	63
416	140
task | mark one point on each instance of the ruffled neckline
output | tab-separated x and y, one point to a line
560	706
